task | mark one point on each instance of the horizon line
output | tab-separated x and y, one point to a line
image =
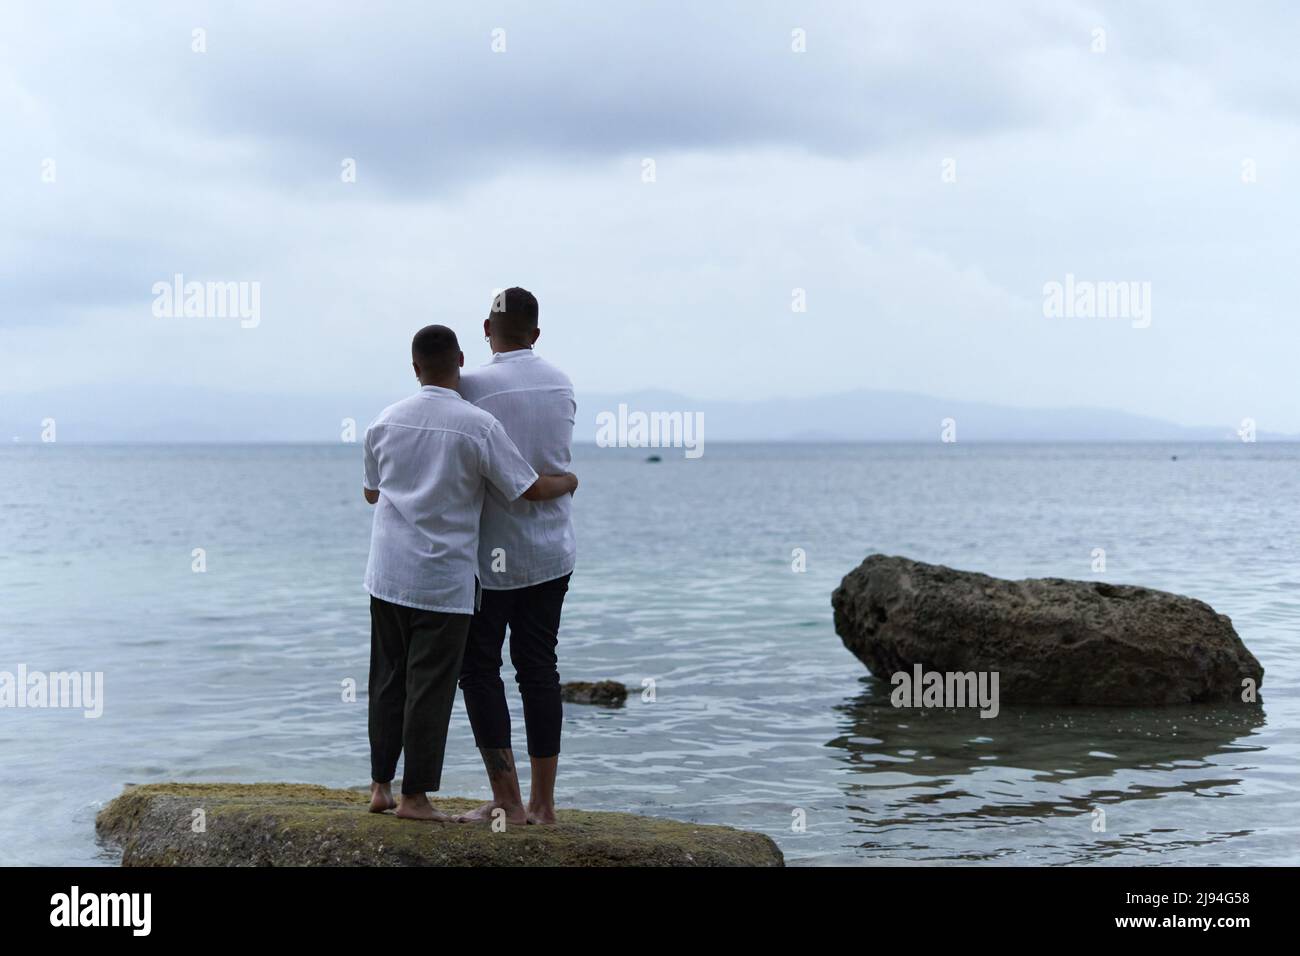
1289	440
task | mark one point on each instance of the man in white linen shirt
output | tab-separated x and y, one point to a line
428	462
526	556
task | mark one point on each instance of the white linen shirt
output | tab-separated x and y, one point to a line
526	542
430	457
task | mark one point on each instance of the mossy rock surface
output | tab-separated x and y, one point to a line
281	824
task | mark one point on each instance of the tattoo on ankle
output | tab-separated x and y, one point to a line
498	762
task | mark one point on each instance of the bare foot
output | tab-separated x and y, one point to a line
542	816
515	813
418	807
381	797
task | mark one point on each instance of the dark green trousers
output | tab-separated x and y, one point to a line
415	658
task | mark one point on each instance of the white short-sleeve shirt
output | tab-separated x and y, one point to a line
431	457
526	542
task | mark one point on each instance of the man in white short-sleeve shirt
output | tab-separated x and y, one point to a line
429	460
525	556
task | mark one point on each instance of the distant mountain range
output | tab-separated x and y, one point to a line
868	415
142	414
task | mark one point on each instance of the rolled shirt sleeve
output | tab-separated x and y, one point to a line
503	466
371	479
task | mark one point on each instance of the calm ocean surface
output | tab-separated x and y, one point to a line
684	579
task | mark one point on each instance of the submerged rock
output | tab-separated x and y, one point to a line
281	824
1050	640
606	693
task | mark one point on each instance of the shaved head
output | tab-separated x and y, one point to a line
436	351
513	317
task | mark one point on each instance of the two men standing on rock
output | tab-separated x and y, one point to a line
468	540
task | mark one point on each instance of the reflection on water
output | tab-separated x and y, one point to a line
949	772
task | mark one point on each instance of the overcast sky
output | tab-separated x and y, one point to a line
774	170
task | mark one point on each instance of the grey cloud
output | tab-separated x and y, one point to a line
414	93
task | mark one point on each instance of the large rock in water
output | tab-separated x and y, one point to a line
280	824
1050	640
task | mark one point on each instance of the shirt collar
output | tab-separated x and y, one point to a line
512	355
439	390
